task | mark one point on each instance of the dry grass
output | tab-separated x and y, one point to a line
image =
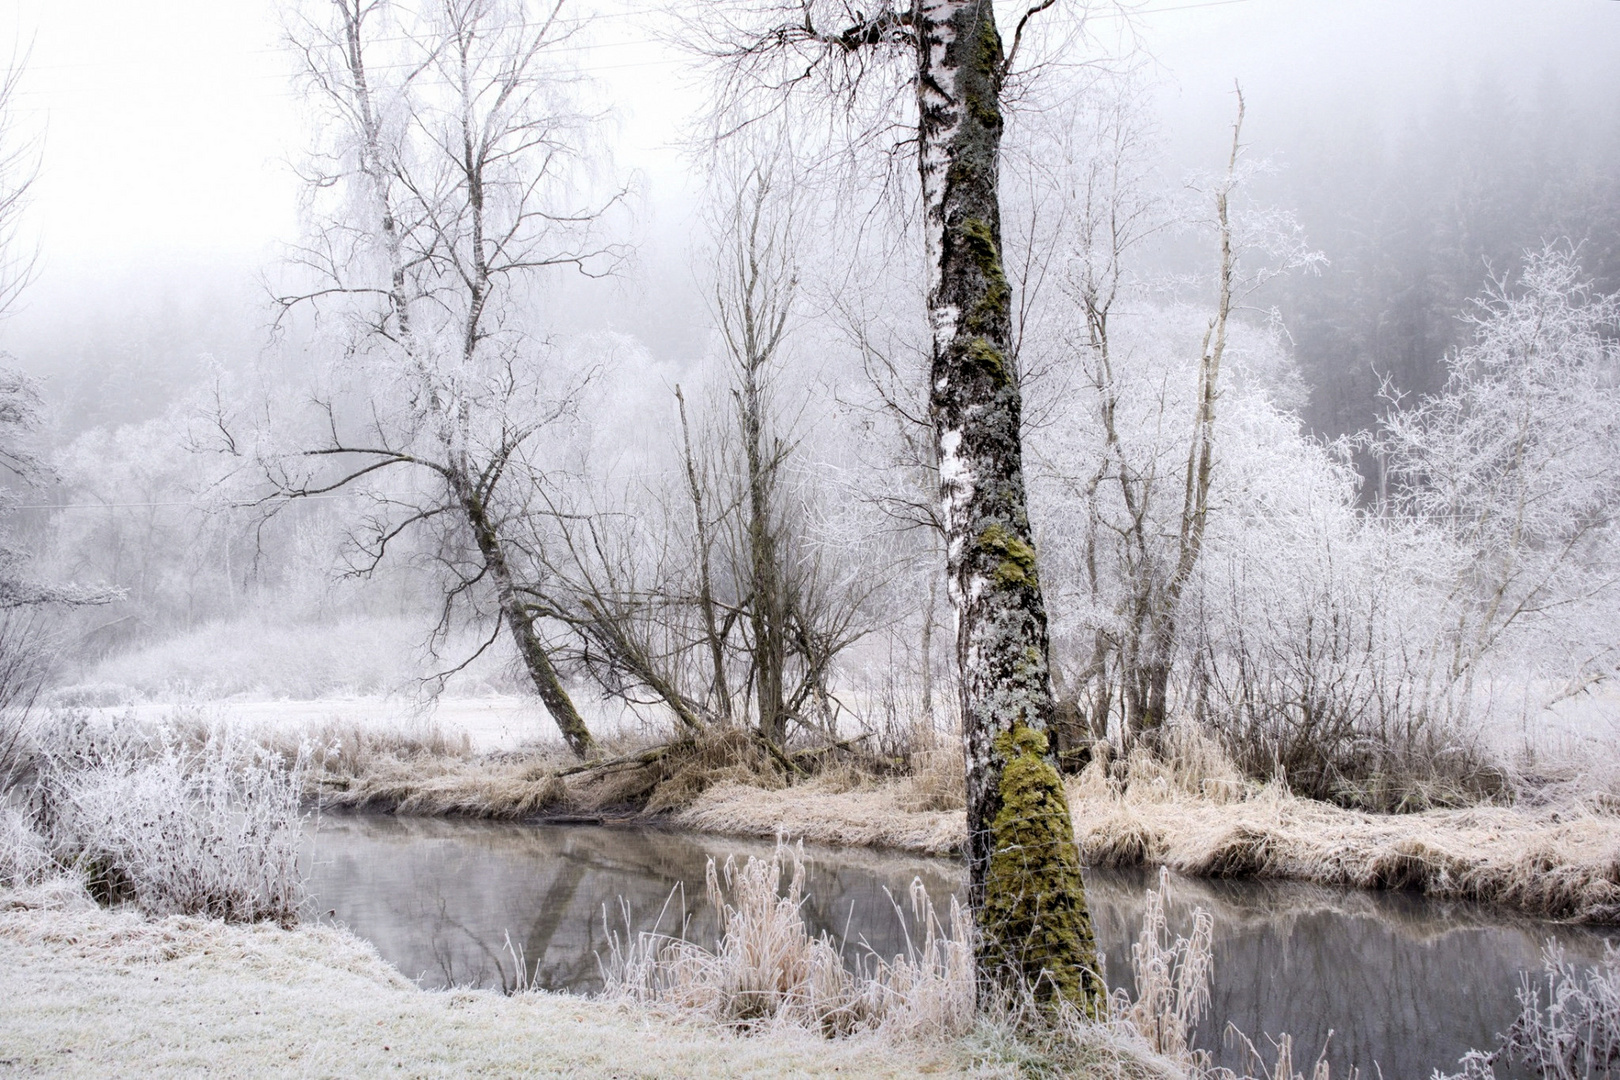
437	779
1172	979
936	781
1196	816
768	971
505	788
1560	864
323	1003
1577	1034
766	974
819	811
200	997
1191	811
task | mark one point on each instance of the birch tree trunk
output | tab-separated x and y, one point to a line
1024	869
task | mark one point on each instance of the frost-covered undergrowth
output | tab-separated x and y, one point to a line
768	974
1575	1036
147	816
768	970
199	997
24	861
1197	815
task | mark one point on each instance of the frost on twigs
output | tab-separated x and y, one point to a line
1172	979
175	829
23	858
1576	1034
768	972
1034	925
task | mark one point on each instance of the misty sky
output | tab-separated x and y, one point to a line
169	124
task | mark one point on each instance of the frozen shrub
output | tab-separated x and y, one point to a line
1172	978
1172	994
767	969
1576	1036
23	858
199	830
22	668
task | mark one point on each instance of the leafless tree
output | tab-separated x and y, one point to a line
19	168
448	188
1146	488
754	301
715	573
1514	462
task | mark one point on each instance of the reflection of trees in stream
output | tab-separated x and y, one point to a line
1400	980
439	898
1405	981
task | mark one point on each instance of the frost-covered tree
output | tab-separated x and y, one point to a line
448	182
940	68
1138	449
708	585
1517	463
22	463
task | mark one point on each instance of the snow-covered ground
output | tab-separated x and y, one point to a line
92	993
491	723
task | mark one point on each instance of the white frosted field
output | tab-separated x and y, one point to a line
491	723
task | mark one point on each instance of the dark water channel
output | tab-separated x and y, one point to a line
1403	981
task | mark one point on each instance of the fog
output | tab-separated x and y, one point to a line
1415	149
172	134
1060	434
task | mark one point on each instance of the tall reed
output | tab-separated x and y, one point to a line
767	969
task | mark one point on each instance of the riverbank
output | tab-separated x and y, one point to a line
1558	861
89	992
1555	858
1553	862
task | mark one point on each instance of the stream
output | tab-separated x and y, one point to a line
1400	980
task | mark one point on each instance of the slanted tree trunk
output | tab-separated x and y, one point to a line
387	183
514	611
1023	865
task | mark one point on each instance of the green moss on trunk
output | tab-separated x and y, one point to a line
1023	867
1016	559
1043	941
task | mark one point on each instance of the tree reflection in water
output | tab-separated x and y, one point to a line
1405	981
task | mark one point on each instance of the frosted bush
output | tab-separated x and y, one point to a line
23	858
768	969
1575	1036
200	830
1172	978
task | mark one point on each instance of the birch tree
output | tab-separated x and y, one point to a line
1150	445
445	192
1024	873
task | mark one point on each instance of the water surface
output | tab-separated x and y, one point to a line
1400	980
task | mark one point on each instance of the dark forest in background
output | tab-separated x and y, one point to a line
1413	218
